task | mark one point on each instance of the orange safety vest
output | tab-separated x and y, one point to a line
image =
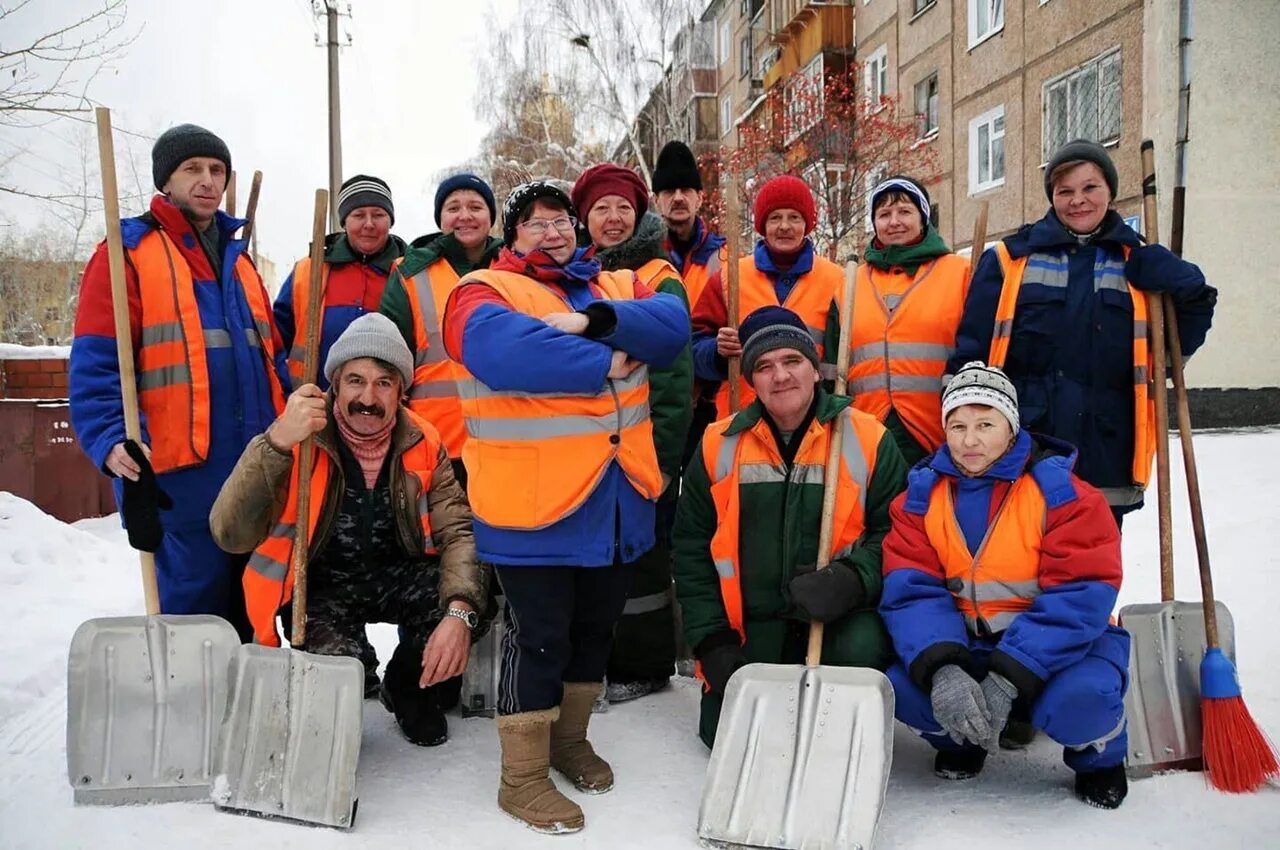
900	343
1144	408
533	458
268	579
810	299
1001	580
301	296
696	276
657	270
436	377
173	370
751	457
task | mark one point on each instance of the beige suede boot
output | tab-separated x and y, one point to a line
571	752
526	791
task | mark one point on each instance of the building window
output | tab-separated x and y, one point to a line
803	99
986	18
986	151
1083	103
726	46
873	179
726	115
876	75
744	56
927	106
918	6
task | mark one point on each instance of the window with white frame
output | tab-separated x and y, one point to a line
726	44
873	179
1083	103
804	99
926	98
986	151
726	115
875	74
986	18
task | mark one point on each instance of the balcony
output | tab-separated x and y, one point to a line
787	19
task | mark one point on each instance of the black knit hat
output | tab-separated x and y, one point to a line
524	195
178	144
676	169
1083	149
364	191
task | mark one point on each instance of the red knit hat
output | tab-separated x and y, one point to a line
609	179
785	192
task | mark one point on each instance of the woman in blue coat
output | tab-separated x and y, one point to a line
1070	329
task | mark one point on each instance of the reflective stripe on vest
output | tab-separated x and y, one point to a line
751	457
268	578
1000	581
901	343
173	370
436	378
301	297
810	299
1107	274
534	458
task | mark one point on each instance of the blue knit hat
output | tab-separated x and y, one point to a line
465	181
769	329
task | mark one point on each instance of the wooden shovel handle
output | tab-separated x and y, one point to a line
831	477
732	227
979	243
231	194
124	333
305	460
1159	378
251	210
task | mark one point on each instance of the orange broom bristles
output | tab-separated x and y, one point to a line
1238	756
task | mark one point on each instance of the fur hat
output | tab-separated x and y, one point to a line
676	168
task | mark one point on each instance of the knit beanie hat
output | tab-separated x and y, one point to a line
785	192
978	383
524	195
769	329
178	144
364	191
1089	152
676	168
371	335
908	186
465	181
609	179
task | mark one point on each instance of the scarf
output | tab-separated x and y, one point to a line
539	265
909	258
369	450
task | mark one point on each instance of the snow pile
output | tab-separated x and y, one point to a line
11	351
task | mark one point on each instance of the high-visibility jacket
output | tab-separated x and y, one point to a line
657	270
297	355
900	342
534	458
696	275
436	377
268	578
998	582
1144	413
810	299
751	457
172	368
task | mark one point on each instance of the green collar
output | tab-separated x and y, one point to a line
907	257
338	251
425	250
829	406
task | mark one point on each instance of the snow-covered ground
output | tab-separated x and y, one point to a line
54	576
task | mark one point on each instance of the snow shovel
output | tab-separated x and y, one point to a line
290	739
144	694
802	755
1168	638
480	679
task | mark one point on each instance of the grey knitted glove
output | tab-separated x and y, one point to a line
999	693
960	707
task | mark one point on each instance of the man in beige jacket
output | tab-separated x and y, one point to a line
390	537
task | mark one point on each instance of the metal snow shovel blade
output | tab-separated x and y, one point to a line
801	759
480	679
144	694
1163	701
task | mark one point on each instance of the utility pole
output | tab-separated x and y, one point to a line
330	8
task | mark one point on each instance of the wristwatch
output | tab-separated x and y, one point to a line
471	618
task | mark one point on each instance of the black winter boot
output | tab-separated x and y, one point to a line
959	764
1104	788
417	710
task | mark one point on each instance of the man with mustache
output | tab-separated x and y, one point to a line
206	351
390	534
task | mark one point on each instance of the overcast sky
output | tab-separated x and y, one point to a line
250	71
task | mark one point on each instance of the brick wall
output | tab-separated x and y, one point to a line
33	378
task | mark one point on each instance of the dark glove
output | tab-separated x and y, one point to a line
960	707
999	693
143	501
1148	268
826	594
720	655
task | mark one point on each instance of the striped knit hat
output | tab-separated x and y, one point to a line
978	383
364	191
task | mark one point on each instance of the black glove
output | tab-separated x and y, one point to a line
824	594
720	655
143	501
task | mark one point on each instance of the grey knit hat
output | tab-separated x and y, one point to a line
178	144
769	329
978	383
371	335
1087	151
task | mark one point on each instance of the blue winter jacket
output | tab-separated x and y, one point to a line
1071	353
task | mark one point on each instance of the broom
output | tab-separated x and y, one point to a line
1238	756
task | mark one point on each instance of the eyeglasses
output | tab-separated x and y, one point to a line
538	226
